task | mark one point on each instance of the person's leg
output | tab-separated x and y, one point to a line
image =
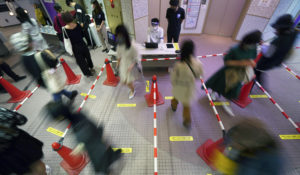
104	33
57	96
176	36
87	56
186	116
70	94
169	36
101	36
80	60
6	68
132	91
87	37
174	103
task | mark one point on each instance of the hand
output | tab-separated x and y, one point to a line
81	24
252	63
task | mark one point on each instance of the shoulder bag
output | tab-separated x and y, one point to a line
67	42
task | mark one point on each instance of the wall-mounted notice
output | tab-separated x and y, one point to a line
48	1
140	8
264	3
192	13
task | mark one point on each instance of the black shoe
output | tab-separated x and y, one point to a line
93	71
74	94
187	125
19	78
105	50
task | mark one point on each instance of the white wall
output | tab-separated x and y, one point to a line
127	16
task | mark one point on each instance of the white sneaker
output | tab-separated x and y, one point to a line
48	170
213	95
228	110
131	95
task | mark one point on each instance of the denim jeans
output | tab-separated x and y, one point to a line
57	96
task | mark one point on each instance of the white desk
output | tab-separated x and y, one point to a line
161	52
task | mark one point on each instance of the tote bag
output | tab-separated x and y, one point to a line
67	42
51	77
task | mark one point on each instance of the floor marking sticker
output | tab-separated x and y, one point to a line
90	96
147	86
55	132
126	105
169	97
258	96
221	103
208	174
124	150
290	137
181	138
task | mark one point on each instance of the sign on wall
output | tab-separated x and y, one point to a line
48	1
139	8
192	13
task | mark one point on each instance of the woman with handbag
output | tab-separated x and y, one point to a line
183	77
73	32
128	59
42	67
20	153
229	79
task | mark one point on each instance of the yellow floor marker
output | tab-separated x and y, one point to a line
208	174
258	96
221	103
290	137
169	97
126	105
181	138
147	86
124	150
90	96
55	132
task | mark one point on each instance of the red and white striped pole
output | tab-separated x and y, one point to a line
276	104
85	99
214	107
291	71
154	125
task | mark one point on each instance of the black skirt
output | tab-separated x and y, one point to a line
23	151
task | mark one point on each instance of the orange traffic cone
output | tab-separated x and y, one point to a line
149	97
15	93
207	150
111	79
72	164
71	77
244	99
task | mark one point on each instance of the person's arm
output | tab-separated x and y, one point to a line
182	15
80	15
161	35
148	35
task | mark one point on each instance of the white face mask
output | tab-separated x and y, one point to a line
155	28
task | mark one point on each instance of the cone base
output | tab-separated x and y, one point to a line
112	83
20	98
74	81
149	99
201	151
243	103
75	171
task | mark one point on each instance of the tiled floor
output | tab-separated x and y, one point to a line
132	127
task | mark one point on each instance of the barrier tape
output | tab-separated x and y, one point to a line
280	109
85	98
291	71
31	93
214	107
155	128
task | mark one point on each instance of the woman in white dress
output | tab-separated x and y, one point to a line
31	27
128	59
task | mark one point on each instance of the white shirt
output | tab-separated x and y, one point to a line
155	36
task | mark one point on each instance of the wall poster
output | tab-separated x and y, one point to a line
192	13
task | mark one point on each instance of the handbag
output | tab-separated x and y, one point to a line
67	42
51	77
191	69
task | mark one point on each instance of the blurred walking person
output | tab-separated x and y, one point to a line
31	27
229	79
99	18
20	153
80	49
183	77
42	66
128	59
279	48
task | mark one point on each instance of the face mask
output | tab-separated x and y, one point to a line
155	28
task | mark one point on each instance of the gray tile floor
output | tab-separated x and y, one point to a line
132	127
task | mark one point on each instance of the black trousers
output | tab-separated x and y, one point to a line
173	36
88	38
83	58
6	68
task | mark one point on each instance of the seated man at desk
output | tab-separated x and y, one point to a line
155	32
